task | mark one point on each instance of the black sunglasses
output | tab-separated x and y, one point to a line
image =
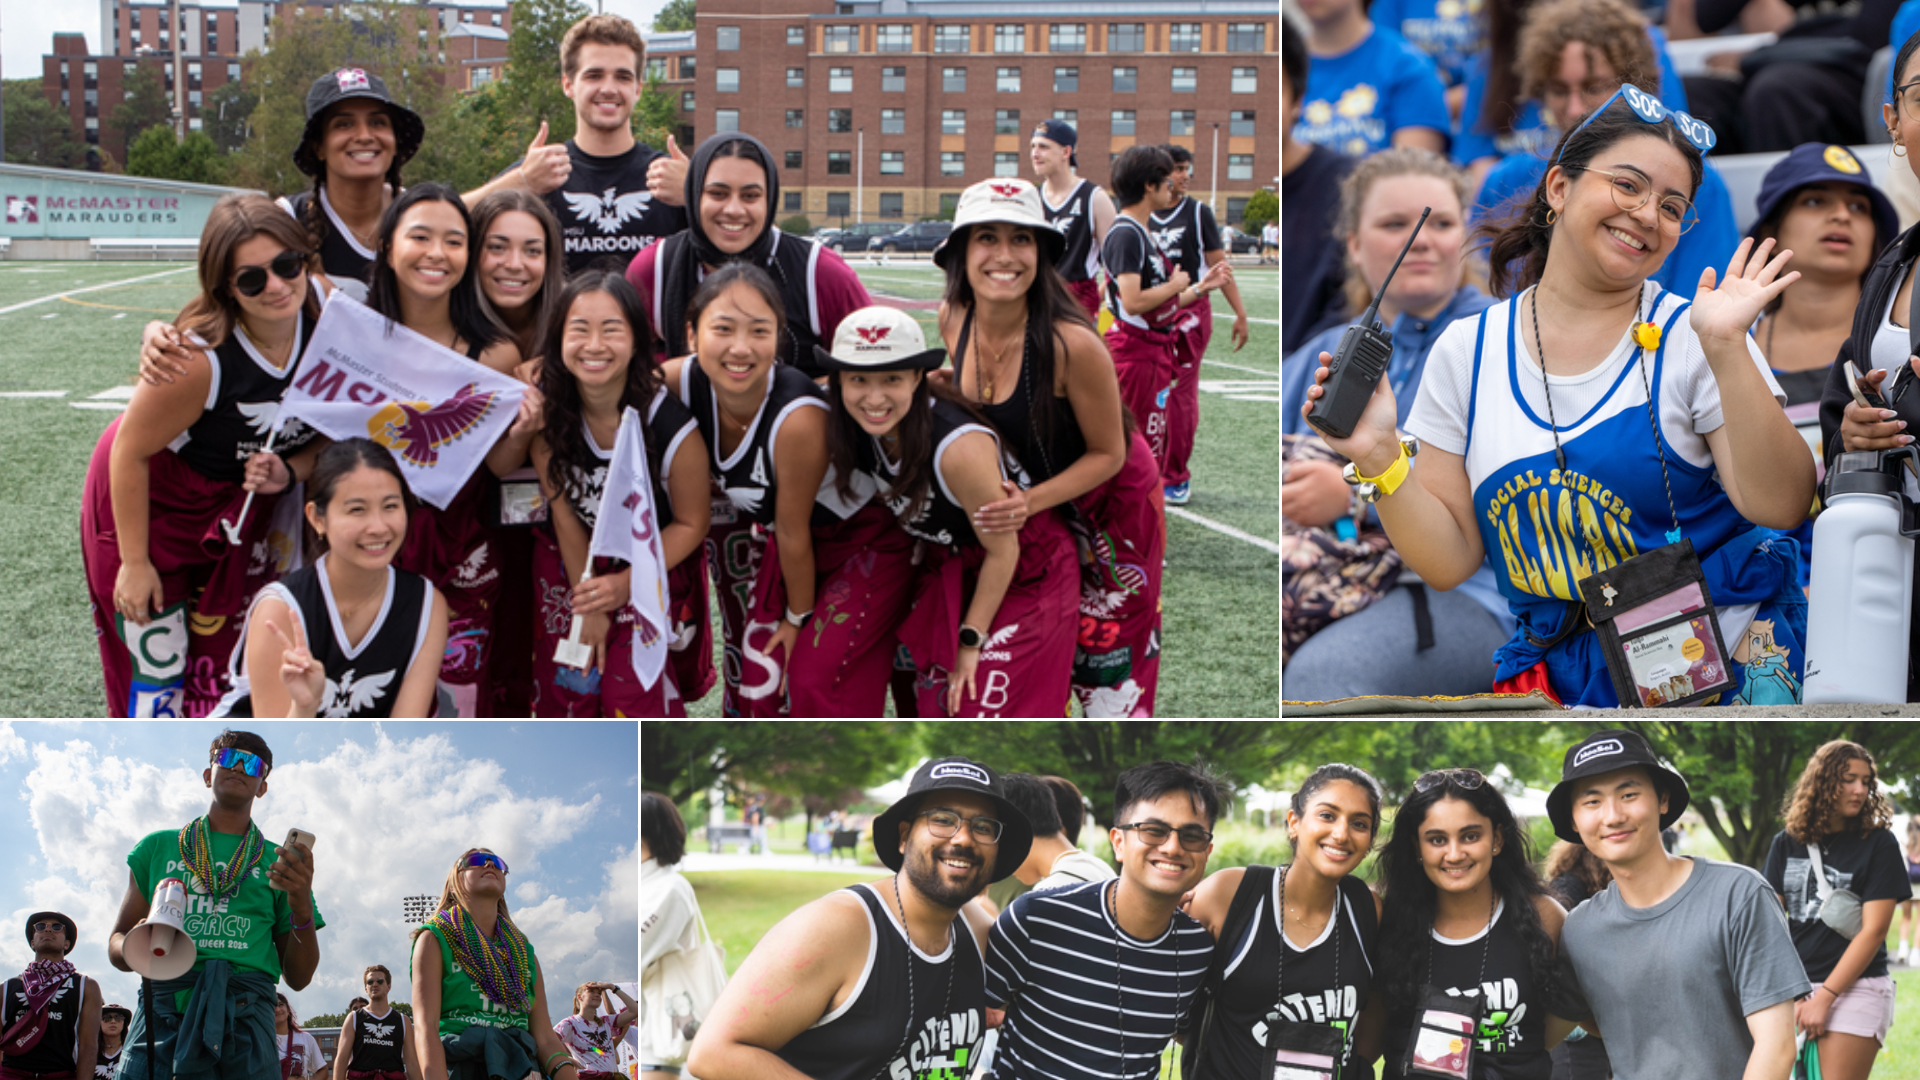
251	281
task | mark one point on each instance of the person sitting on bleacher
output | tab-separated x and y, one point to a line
1367	89
1806	87
1574	54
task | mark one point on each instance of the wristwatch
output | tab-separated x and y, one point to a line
798	619
1371	488
970	638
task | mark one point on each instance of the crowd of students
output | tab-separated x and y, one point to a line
986	535
1462	959
1594	366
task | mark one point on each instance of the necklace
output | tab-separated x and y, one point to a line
952	957
1119	990
196	851
502	965
986	377
1280	953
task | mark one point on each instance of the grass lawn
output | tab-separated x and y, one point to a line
741	905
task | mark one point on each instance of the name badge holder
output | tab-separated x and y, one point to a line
1442	1043
1296	1050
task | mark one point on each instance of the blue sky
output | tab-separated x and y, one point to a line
391	805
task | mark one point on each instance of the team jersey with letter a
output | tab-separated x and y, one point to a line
343	258
462	1004
1130	250
941	518
911	1017
746	475
605	209
363	680
243	398
379	1042
1079	259
239	929
59	1045
1185	233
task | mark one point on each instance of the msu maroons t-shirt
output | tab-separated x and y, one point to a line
606	210
1868	864
239	929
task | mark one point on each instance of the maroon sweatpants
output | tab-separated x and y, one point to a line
1121	533
1190	337
1143	359
1088	293
563	691
453	549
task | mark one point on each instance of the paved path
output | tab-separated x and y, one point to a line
697	861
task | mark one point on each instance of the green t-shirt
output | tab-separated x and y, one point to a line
239	930
462	1005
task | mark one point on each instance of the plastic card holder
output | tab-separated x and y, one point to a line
1654	615
1297	1051
1441	1044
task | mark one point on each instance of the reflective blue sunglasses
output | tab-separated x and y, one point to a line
1648	108
231	758
486	858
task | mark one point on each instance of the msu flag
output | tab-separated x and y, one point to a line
628	528
437	411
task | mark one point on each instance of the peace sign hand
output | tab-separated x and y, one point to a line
302	675
1724	314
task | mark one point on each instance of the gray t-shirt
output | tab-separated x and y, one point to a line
1672	985
1074	868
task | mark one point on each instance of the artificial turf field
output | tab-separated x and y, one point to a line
66	368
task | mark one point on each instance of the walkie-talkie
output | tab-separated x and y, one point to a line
1358	363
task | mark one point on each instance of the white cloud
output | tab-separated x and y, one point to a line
389	819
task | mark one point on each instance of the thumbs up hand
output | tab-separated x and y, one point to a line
545	167
667	176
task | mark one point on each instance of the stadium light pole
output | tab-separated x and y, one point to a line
1215	167
859	175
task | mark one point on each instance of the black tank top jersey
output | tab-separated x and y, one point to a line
1130	249
104	1064
60	1045
1014	419
942	519
668	425
747	475
1079	259
912	1016
362	681
346	263
1307	990
243	398
1513	1025
377	1043
1185	233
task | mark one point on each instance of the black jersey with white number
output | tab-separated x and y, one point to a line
378	1042
363	680
941	518
605	210
746	475
347	264
1185	233
911	1016
60	1045
1513	1022
243	398
1080	258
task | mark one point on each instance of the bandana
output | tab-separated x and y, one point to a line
503	967
44	976
196	853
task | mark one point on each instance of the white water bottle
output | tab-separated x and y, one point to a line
1860	606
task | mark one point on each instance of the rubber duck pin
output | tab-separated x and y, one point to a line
1646	335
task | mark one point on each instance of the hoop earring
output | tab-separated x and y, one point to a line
1899	148
1552	215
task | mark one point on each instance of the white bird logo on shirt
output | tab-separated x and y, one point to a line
608	210
1168	239
469	572
259	414
379	1031
747	498
350	695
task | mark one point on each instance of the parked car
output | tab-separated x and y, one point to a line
1237	242
824	235
920	236
854	237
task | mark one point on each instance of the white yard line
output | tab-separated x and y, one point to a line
93	288
1223	529
33	393
1257	371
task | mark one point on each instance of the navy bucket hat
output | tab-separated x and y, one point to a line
1814	163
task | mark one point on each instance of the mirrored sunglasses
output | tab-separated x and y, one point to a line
1464	779
486	858
233	758
252	280
1649	109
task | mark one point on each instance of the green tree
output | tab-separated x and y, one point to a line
225	116
1262	206
676	15
530	91
799	758
156	153
656	115
146	105
38	132
1396	752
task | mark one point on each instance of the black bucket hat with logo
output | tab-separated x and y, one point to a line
1603	752
409	131
956	774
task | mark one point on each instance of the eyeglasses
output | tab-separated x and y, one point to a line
1908	97
1192	838
229	757
287	266
1464	779
945	824
1631	191
486	858
48	924
1649	109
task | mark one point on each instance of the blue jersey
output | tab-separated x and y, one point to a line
1476	139
1357	100
1450	32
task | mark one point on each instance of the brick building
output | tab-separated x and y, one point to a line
897	105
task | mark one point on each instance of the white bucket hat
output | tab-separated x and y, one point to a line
1009	199
879	339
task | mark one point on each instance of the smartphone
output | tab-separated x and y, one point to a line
293	836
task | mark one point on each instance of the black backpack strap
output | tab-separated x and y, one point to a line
1256	882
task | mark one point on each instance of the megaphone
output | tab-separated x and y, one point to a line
161	948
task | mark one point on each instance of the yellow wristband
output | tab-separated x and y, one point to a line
1371	488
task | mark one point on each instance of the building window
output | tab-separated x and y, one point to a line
1006	122
1066	80
1246	37
1006	164
726	120
1182	122
1122	122
1071	116
1126	37
839	121
1067	37
952	39
796	35
726	80
843	39
1125	80
1186	80
893	121
953	80
1246	80
233	72
893	38
839	163
794	157
482	76
796	78
1241	122
496	18
726	38
839	203
1236	210
1006	80
1009	38
686	101
796	117
686	68
1239	166
893	80
893	162
892	205
193	75
1183	37
790	201
953	164
953	121
840	80
657	69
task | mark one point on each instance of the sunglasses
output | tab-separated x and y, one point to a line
486	858
251	281
231	758
1464	779
48	924
1649	109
